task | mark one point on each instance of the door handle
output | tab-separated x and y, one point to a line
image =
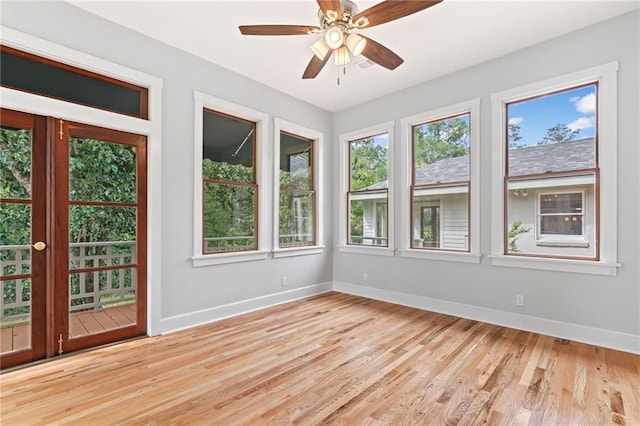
40	245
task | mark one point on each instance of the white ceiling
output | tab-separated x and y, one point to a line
450	36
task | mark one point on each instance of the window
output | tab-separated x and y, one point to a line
297	195
366	199
368	190
229	204
551	176
561	214
440	184
554	174
297	192
440	206
229	189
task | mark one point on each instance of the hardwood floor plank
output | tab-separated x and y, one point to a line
332	359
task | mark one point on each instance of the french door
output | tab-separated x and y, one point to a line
72	236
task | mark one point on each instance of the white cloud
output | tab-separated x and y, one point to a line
516	120
585	104
582	123
574	99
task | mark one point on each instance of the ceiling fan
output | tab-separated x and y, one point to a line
338	20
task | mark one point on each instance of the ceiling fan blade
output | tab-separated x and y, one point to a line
391	10
316	65
272	30
330	5
380	54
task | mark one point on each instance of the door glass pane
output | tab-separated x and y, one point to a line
102	236
15	238
102	171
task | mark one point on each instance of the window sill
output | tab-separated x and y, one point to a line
562	243
377	251
222	258
297	251
448	256
561	265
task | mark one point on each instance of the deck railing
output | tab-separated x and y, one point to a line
89	290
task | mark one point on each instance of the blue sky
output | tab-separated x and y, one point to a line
574	108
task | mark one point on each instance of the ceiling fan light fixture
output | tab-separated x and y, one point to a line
341	56
361	22
331	16
334	37
356	44
320	48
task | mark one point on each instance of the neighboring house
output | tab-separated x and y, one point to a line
441	207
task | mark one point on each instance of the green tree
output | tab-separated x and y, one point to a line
513	135
368	163
559	133
439	140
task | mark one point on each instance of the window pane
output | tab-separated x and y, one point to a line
295	162
369	163
441	151
229	217
296	218
440	218
227	148
551	208
552	133
15	163
561	225
561	203
364	217
101	223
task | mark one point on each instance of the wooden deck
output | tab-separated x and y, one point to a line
17	336
332	359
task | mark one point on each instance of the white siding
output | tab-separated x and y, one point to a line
454	222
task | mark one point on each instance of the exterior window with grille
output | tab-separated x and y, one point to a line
551	176
440	184
368	191
297	202
229	188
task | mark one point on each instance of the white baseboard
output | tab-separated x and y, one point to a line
579	333
193	319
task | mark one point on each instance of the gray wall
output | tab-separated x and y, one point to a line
610	303
187	289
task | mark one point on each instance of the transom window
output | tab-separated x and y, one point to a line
297	202
229	188
551	175
440	184
368	191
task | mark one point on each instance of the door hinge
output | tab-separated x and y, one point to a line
60	341
61	132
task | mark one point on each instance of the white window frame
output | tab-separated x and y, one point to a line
343	182
541	238
202	101
471	107
606	76
151	128
317	145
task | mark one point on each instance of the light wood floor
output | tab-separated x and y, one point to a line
334	359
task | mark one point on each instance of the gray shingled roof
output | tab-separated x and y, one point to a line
536	159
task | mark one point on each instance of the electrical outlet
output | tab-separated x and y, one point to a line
519	299
283	281
364	276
